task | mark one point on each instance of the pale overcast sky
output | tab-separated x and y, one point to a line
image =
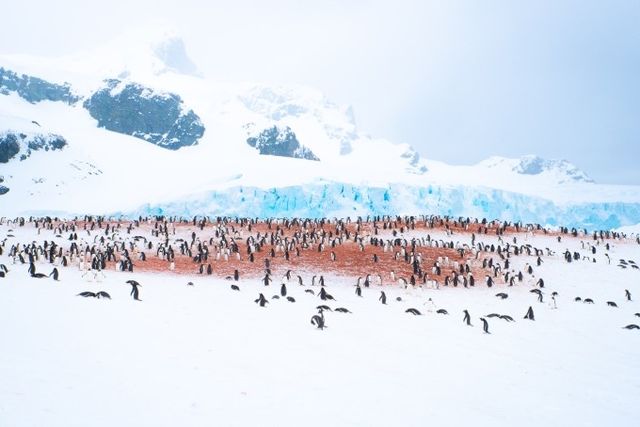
458	80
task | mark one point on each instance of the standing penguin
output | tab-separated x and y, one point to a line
55	274
318	319
236	275
529	314
383	297
266	279
627	294
553	299
485	325
467	318
283	290
261	300
134	289
358	290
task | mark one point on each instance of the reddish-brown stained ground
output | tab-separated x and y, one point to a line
351	261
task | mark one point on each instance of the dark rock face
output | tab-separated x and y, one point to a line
9	147
135	110
13	143
280	142
34	89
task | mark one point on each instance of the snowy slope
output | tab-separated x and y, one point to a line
206	355
136	175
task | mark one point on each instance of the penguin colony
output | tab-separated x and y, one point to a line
380	251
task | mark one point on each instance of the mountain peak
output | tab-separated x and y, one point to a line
535	165
172	52
561	170
154	50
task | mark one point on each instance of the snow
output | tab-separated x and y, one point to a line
630	229
139	177
206	355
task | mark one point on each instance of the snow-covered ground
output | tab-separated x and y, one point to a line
207	355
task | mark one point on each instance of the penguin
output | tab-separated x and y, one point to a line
190	284
323	307
467	318
235	287
266	279
342	310
39	275
383	298
275	297
553	299
236	275
291	299
627	294
262	301
86	294
538	292
577	299
310	291
283	290
103	294
485	325
324	295
588	301
413	311
529	314
398	298
318	320
507	318
358	291
632	326
442	311
492	315
502	295
55	274
612	304
134	289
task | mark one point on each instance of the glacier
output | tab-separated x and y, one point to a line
341	200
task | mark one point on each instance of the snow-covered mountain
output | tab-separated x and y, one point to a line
145	132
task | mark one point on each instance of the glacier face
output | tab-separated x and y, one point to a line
336	199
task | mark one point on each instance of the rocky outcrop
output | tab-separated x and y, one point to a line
136	110
13	144
276	141
34	89
534	165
